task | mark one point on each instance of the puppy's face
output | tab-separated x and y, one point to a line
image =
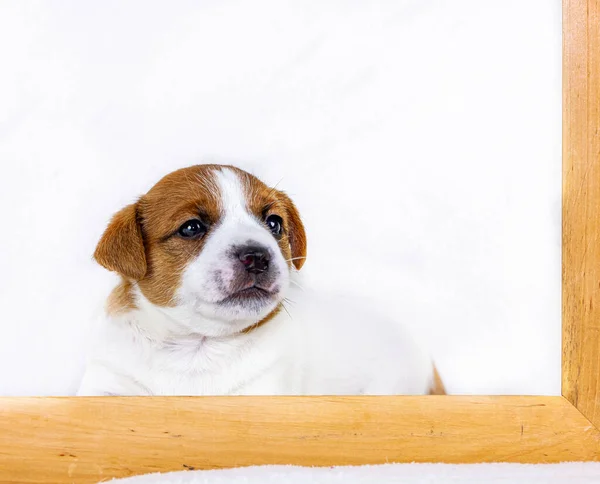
211	243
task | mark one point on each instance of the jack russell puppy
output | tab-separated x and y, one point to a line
208	303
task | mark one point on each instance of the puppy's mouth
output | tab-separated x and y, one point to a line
252	294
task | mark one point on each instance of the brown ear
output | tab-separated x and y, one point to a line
296	232
121	248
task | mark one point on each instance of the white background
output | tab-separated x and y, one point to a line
419	138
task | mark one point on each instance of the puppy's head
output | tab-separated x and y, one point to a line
211	244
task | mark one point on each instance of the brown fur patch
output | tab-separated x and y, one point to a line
121	299
437	387
121	248
185	194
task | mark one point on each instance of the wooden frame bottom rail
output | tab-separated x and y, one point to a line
74	439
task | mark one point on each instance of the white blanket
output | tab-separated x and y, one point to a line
567	473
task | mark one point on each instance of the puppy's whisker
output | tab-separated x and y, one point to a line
286	310
296	284
294	258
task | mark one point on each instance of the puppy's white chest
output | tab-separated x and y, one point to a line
250	364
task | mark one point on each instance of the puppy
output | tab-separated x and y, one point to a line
207	259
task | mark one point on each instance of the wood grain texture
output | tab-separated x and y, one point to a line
89	439
581	206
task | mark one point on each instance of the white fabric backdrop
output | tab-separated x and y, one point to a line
420	139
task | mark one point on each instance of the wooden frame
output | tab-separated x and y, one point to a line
93	439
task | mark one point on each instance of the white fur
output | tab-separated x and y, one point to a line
322	344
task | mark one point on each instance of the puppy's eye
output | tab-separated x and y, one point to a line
275	224
192	229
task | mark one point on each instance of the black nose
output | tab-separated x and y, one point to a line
255	259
